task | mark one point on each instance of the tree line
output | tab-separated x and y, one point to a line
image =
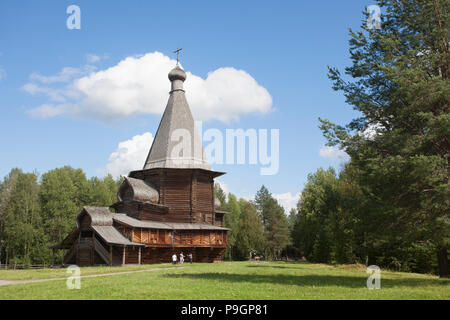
37	212
259	227
390	205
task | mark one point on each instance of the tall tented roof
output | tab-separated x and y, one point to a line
177	143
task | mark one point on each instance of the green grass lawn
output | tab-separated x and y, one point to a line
228	280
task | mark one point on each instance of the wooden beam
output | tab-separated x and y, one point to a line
123	254
110	255
92	250
139	256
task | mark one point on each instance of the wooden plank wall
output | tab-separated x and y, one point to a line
218	220
85	222
132	255
181	237
126	231
189	194
84	257
177	193
164	255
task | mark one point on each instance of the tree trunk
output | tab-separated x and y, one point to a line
443	262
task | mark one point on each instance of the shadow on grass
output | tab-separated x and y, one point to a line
276	267
308	280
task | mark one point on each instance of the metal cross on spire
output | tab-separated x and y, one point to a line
178	54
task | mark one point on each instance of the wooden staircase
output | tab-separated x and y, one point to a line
82	250
69	255
102	252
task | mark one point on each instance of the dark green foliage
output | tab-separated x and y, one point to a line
34	216
20	219
275	223
260	227
250	237
231	220
321	230
400	145
64	191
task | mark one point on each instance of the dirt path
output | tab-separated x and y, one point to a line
15	282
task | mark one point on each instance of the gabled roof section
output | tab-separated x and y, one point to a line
112	236
177	143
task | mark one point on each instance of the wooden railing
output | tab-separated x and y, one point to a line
102	252
24	266
85	243
70	253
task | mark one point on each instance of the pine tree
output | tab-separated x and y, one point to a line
250	237
275	223
401	143
220	194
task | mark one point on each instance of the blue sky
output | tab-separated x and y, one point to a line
285	46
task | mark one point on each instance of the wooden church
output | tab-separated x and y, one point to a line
167	207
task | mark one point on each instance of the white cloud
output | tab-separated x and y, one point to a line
2	73
93	58
47	111
334	153
139	85
372	131
287	200
130	155
65	75
53	94
226	94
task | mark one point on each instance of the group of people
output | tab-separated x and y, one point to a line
174	258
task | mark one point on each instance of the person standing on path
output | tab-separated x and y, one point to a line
181	258
190	257
174	259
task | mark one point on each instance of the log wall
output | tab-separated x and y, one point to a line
188	194
164	255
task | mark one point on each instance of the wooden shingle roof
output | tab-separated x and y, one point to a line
177	123
137	189
112	236
129	221
100	216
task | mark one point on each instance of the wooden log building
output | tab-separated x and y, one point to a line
167	207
